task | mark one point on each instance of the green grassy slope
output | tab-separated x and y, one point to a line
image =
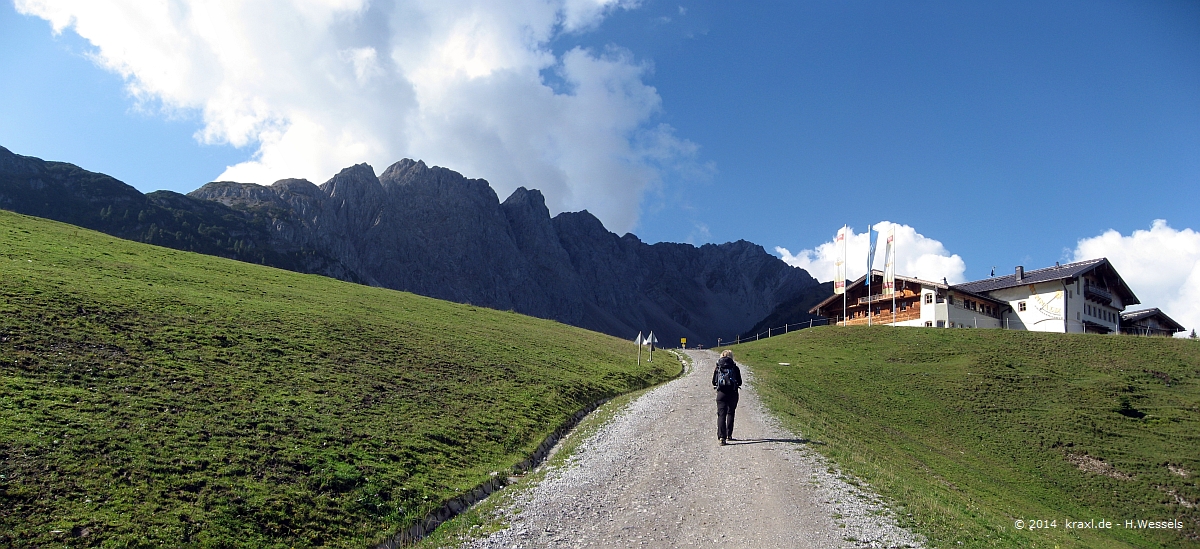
155	397
971	430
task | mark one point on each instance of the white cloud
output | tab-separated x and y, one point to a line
317	85
1161	266
916	256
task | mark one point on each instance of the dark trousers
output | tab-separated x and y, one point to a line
726	405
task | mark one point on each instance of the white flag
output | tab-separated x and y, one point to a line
639	340
889	263
651	340
839	283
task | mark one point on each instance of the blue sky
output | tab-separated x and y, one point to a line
1007	132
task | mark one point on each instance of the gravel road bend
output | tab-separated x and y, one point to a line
656	476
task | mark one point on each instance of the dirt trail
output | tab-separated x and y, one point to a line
655	476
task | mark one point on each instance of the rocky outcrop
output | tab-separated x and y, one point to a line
65	192
431	231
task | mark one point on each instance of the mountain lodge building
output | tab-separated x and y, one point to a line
918	303
1086	296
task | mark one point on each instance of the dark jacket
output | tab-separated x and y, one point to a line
723	363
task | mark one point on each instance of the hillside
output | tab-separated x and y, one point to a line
972	430
150	396
434	232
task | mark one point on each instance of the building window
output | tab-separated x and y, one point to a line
1021	306
950	300
928	323
941	324
928	298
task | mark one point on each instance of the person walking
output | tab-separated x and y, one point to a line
727	378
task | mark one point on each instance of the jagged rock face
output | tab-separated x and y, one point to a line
533	233
434	232
431	231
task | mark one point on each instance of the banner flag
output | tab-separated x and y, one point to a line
889	263
839	283
870	252
639	339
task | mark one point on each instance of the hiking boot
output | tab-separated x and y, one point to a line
723	442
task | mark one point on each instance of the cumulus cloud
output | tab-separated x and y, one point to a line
1161	265
317	85
916	256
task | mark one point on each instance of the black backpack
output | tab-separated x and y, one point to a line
725	378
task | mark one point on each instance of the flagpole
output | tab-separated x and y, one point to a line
889	269
845	237
893	258
869	277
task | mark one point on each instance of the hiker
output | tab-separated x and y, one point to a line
727	378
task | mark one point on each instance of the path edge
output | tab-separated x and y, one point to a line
468	499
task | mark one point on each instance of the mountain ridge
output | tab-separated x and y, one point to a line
434	232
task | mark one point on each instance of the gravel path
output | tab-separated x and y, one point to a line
655	476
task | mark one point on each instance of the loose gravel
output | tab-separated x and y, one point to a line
655	475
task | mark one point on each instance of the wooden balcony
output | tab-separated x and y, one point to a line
902	294
1097	293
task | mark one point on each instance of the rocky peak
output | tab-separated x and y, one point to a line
354	201
301	187
402	172
356	182
525	199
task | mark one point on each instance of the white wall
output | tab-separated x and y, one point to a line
1044	304
930	312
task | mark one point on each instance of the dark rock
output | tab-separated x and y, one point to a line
431	231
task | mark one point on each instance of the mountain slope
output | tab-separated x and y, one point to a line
67	193
155	397
431	231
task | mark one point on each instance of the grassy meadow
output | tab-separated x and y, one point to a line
968	431
150	396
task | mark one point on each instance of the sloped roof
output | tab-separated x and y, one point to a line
1142	314
1070	270
860	281
1050	274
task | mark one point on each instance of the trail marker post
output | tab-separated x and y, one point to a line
639	341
